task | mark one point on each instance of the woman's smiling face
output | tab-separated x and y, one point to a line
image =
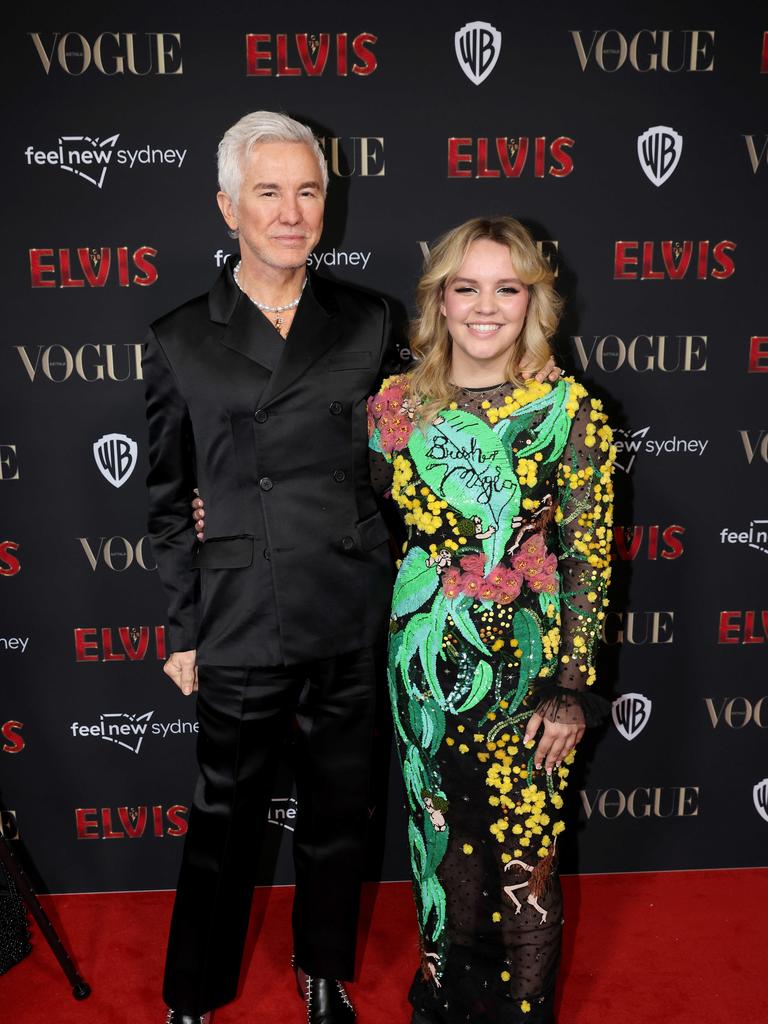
484	306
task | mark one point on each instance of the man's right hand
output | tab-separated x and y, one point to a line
181	667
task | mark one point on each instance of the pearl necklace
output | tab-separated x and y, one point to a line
278	321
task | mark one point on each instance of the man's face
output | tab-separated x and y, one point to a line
279	212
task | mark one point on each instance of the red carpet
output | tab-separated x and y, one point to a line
684	947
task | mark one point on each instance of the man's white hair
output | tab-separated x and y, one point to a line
249	131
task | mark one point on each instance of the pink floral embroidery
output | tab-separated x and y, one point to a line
390	411
537	565
474	563
533	565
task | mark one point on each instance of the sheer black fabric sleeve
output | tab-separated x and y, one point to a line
584	522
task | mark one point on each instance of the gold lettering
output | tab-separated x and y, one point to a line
162	52
371	150
80	363
64	54
69	363
119	62
653	57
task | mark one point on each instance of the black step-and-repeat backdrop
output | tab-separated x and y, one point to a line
636	147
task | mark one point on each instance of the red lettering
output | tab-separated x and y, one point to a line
15	741
749	630
106	644
12	564
122	266
676	271
540	152
134	830
624	551
341	54
67	281
764	63
360	49
456	157
502	148
623	260
649	274
141	260
653	542
312	67
483	170
254	56
564	160
727	626
107	832
37	268
726	266
702	268
177	819
758	354
157	820
160	642
671	537
284	70
84	826
98	279
134	653
83	645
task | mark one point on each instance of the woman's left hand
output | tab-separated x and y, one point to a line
556	743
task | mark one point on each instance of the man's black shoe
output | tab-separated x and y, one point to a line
175	1017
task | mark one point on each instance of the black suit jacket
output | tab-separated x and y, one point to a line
295	564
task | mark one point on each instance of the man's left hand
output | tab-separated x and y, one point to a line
550	371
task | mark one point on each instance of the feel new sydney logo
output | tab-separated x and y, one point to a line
128	730
90	157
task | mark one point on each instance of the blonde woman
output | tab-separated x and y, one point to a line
504	486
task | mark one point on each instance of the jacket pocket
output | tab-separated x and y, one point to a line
372	531
224	553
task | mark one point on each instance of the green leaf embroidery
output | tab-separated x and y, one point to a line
374	443
481	684
416	582
414	635
433	646
459	612
464	463
527	633
435	713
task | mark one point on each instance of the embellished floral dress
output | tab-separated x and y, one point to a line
496	611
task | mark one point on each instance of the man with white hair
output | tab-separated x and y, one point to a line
256	395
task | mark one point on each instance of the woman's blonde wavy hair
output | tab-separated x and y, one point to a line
429	381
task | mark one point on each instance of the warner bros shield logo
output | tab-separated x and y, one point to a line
659	151
478	46
116	456
630	714
760	796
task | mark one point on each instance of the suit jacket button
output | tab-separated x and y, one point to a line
339	476
261	416
336	408
347	543
267	555
265	483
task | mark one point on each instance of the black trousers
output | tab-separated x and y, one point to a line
242	714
